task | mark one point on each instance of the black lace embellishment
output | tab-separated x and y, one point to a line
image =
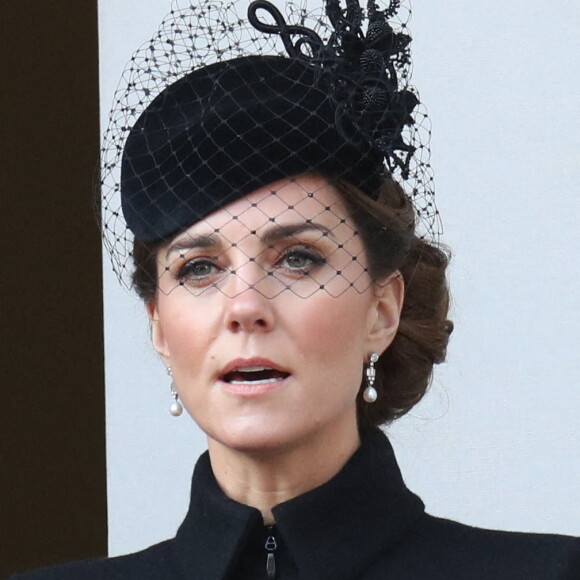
358	70
307	38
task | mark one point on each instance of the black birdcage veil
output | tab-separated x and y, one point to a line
234	131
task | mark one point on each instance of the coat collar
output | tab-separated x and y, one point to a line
355	516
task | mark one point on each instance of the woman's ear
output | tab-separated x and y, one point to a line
385	312
157	336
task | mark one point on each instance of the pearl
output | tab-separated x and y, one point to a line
176	408
370	395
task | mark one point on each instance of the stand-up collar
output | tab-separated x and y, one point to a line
334	531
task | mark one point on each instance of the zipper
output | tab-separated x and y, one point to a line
270	546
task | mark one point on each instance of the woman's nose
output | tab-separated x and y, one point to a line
248	308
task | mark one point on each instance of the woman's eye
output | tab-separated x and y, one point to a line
301	260
197	270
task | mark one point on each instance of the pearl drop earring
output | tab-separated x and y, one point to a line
370	393
176	408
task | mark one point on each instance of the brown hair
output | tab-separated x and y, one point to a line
404	371
387	228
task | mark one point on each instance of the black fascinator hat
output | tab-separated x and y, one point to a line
221	103
226	130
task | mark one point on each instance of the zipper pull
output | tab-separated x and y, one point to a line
270	546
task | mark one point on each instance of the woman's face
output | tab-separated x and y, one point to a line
266	314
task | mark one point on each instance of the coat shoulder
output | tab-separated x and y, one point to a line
441	549
155	562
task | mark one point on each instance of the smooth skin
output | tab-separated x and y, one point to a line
278	275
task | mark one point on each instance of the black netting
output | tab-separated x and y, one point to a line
260	149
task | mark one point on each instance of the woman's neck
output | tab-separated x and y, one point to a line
263	479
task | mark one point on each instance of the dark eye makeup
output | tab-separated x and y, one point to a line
295	261
197	270
300	259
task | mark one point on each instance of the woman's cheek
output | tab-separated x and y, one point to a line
332	324
181	326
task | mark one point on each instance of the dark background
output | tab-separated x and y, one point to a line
52	450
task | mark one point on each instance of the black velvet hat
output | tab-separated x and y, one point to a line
226	130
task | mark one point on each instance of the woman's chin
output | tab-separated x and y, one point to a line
256	435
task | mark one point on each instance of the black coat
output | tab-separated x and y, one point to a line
363	524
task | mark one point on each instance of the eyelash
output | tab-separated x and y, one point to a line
186	273
314	258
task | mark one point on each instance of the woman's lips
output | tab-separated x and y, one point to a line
253	389
252	376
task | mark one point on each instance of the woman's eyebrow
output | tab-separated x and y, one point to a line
192	242
273	235
281	232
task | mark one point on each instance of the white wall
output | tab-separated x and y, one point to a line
496	443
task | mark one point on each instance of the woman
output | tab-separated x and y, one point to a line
296	309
